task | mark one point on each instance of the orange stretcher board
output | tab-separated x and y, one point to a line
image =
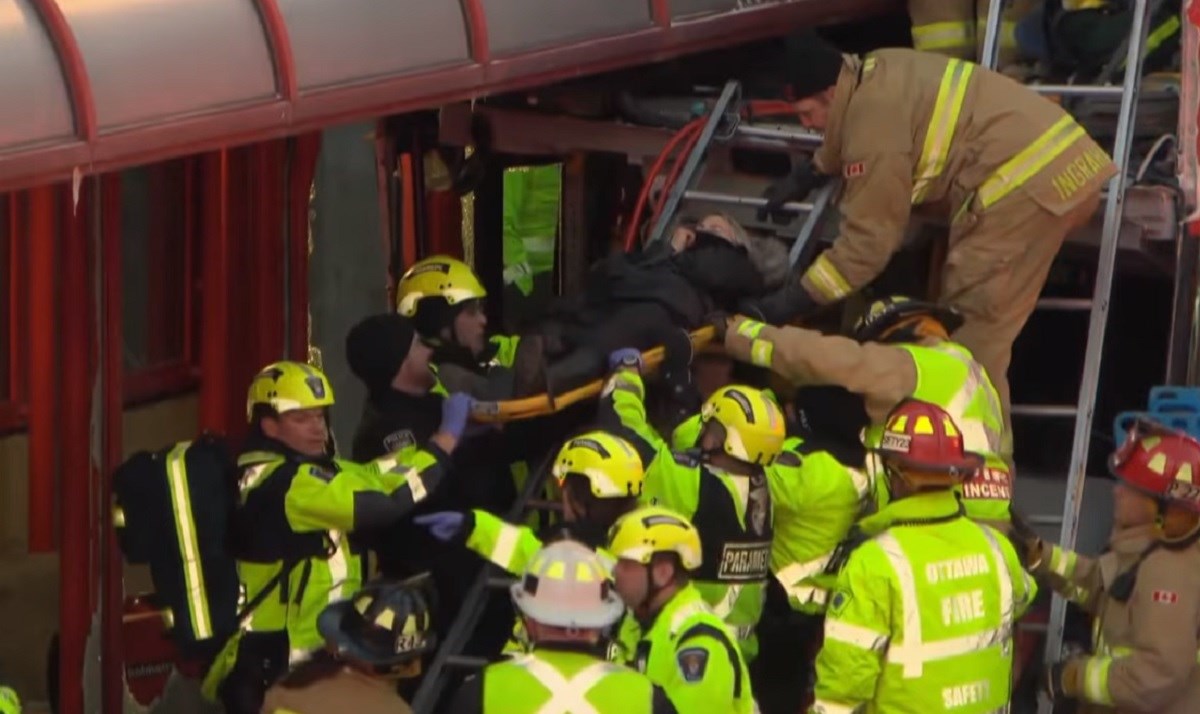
543	404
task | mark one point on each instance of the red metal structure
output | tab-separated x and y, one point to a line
94	86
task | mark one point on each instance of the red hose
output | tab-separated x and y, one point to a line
680	136
770	108
689	144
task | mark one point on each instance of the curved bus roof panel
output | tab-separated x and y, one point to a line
356	40
512	28
35	108
97	85
148	61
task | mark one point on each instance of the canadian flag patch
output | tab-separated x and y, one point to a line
1168	597
858	168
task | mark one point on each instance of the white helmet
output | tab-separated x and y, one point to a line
567	585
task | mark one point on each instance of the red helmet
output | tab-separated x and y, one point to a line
920	436
1160	462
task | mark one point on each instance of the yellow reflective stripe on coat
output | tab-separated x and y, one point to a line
1032	159
827	279
939	135
185	528
934	36
1157	36
1095	680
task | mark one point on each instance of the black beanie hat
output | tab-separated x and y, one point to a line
811	65
377	346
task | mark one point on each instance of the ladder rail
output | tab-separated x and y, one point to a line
821	199
449	652
1102	293
687	175
991	35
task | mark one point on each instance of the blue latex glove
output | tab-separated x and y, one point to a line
624	357
456	409
443	525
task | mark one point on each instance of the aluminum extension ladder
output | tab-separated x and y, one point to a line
722	124
448	658
1083	411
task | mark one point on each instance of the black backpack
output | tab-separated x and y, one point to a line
173	511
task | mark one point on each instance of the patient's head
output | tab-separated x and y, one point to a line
769	256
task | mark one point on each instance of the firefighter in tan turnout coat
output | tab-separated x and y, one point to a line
1014	172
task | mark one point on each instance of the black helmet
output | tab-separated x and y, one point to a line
384	625
882	315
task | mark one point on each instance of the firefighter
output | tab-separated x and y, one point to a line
1014	172
721	485
819	489
568	604
372	639
922	617
957	28
900	349
684	647
297	507
599	477
1144	592
444	298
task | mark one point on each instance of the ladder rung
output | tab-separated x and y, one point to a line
732	200
1079	304
762	132
500	582
464	662
1045	520
1079	90
1044	410
538	504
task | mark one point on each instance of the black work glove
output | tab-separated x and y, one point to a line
1024	539
720	324
798	184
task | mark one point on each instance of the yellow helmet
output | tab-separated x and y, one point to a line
610	464
642	532
437	276
288	386
754	423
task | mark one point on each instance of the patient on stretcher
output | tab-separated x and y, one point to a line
645	300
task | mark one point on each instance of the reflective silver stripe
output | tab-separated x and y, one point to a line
861	481
822	706
910	606
861	637
339	568
808	594
912	653
724	607
796	572
506	545
977	436
567	696
416	484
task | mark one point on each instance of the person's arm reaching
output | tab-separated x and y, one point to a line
355	496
